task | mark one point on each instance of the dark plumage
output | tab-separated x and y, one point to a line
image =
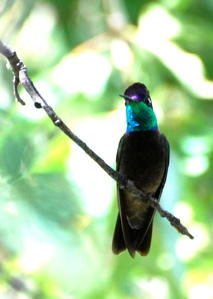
143	157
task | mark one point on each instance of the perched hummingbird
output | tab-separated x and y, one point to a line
143	157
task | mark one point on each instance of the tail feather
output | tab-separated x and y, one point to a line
118	243
142	245
131	239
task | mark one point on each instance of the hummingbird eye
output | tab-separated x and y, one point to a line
149	101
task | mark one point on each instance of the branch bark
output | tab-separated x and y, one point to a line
21	76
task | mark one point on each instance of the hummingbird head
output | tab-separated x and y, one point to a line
137	92
139	111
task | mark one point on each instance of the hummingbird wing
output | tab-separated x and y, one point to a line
136	239
122	238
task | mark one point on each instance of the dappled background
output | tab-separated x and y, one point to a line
57	208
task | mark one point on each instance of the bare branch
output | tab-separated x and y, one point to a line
20	72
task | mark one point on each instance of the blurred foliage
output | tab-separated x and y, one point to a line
57	208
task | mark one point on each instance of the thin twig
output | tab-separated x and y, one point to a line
20	72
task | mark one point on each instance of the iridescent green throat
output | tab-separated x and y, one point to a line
140	117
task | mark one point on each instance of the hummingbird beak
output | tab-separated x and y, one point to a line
126	97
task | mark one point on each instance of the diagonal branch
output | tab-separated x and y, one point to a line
21	76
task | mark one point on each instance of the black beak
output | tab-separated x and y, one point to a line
126	97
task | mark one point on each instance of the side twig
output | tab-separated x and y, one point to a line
21	76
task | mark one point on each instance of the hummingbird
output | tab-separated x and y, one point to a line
143	157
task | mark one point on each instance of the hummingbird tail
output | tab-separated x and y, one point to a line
118	243
122	238
143	247
134	239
